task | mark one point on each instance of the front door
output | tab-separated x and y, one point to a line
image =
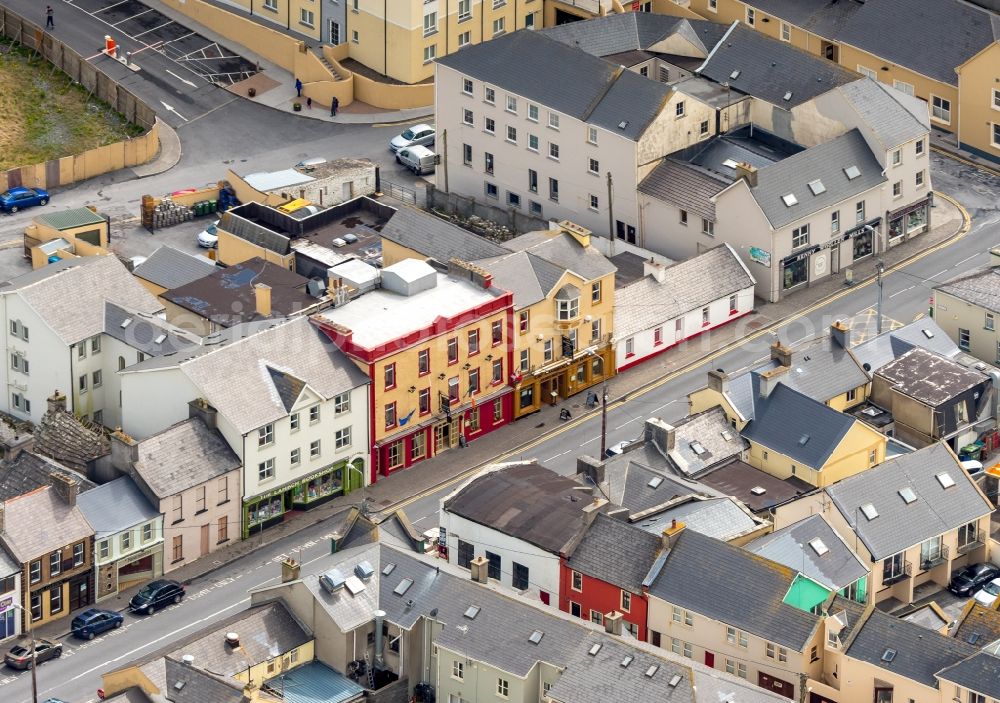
334	33
782	688
205	529
79	592
835	259
710	659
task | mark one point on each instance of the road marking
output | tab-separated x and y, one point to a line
935	275
959	159
559	455
170	108
105	9
968	258
132	18
161	26
900	292
593	439
627	422
182	80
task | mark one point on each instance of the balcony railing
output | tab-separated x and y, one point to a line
935	560
971	546
897	576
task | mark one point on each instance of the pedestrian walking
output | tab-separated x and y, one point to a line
298	88
334	106
50	22
309	103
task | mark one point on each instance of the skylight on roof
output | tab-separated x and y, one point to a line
907	494
758	490
651	671
536	636
730	163
869	511
594	649
817	187
735	74
973	638
160	339
623	124
852	172
945	479
674	680
403	586
627	660
472	611
387	569
655	482
727	435
787	96
803	440
126	322
789	200
818	546
888	655
697	448
354	585
928	334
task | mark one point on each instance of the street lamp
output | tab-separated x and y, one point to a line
604	403
31	634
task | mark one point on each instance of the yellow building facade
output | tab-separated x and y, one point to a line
979	98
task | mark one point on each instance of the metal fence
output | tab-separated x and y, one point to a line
399	192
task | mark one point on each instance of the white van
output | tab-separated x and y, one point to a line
418	159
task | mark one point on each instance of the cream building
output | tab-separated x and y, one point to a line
967	308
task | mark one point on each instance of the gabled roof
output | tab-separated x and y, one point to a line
529	277
980	287
116	506
895	117
825	162
70	295
703	440
41	522
287	386
745	483
68	219
796	547
150	334
771	70
978	624
720	517
929	378
192	684
698	576
899	524
925	333
172	268
640	479
980	673
183	456
566	79
524	501
29	471
684	186
793	424
563	250
821	369
616	552
436	238
918	653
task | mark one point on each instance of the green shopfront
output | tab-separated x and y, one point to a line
270	508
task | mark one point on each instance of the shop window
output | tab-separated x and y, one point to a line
795	273
418	446
395	454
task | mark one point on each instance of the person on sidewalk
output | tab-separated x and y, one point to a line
334	106
50	22
309	103
298	88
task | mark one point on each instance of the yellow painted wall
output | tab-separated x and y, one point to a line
840	403
706	399
260	673
978	78
115	682
235	250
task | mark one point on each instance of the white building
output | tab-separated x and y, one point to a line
10	596
291	406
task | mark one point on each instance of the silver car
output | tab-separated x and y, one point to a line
418	134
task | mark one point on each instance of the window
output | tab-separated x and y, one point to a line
355	37
626	601
683	217
178	548
968	534
466	552
342	438
458	669
104	548
488	162
467	117
177	512
512	134
533	112
424	401
496	332
55	599
800	236
834	221
553	151
964	340
522	322
940	109
897	189
295	457
464	10
293	422
453	350
786	32
995	134
988	322
918	147
490	126
83	383
533	142
497	411
594	202
532	181
223	530
36	606
713	5
473	381
341	403
554	189
498	26
390	415
679	109
751	16
396	454
35	572
859	211
519	579
503	689
547	353
897	157
314	446
707	227
314	415
596	617
489	95
389	373
265	435
147	532
430	52
567	309
418	446
467	84
594	166
430	24
577	584
511	104
55	563
265	470
497	372
81	351
491	190
705	317
902	87
869	73
918	178
592	135
126	540
553	120
19	363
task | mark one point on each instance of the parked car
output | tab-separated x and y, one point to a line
418	134
19	198
418	159
616	449
989	593
19	656
208	238
970	579
156	594
94	621
973	468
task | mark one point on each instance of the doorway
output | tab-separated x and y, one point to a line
79	592
446	435
205	536
334	32
780	687
835	259
710	659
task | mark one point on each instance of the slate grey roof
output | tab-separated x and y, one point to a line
566	79
920	653
818	16
41	522
850	611
68	219
130	695
687	286
821	369
793	424
8	567
771	69
980	673
740	146
738	480
563	250
899	525
530	278
249	398
792	546
698	576
143	330
30	470
825	162
436	238
192	684
710	433
929	378
980	287
628	476
183	456
685	186
616	552
524	501
70	295
173	268
115	506
978	625
718	517
287	386
925	333
62	437
894	117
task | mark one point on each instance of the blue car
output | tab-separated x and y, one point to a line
19	198
94	621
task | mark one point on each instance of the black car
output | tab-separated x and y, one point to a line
94	621
970	579
156	594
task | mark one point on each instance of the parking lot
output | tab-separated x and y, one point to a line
153	30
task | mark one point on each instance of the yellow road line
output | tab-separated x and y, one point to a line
962	160
966	226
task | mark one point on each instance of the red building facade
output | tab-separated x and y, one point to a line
591	599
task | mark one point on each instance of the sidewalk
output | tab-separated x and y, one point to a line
947	220
167	158
947	142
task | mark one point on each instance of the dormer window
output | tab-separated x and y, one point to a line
567	303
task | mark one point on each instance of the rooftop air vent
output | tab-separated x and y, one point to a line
817	187
727	435
973	638
818	546
655	482
364	570
627	660
387	569
338	242
888	655
945	479
803	440
536	636
928	334
758	490
472	611
233	639
789	200
354	585
907	495
735	74
594	649
403	586
332	581
852	172
869	511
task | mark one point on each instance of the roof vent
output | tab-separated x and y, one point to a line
817	187
472	611
160	339
945	479
623	124
364	570
332	581
594	649
536	636
651	671
387	569
727	435
758	490
233	639
789	200
126	322
818	546
888	655
179	685
852	172
869	510
735	74
973	638
403	586
655	482
787	96
674	680
187	660
627	660
907	495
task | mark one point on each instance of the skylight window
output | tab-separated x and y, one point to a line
927	333
697	448
817	187
651	671
388	569
788	96
354	585
907	495
655	482
803	440
472	611
818	546
403	586
126	322
869	511
945	479
888	655
623	124
789	200
536	636
160	339
594	649
674	680
852	172
758	490
729	163
735	74
627	660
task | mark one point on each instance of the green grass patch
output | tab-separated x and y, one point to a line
46	115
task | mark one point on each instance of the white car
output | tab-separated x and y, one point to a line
208	238
988	594
417	135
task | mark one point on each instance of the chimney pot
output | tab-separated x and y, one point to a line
670	534
747	173
56	402
841	333
781	354
613	623
262	298
290	570
479	569
233	639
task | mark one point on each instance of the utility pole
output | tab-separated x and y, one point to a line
34	661
604	418
611	232
879	269
444	157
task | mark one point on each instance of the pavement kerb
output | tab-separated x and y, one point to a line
168	156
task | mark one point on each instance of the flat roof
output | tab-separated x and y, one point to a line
266	181
315	682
